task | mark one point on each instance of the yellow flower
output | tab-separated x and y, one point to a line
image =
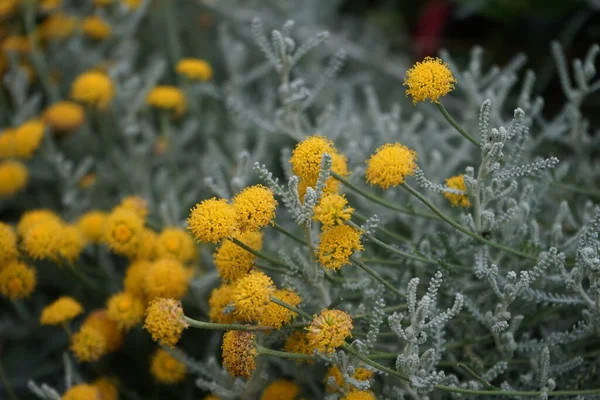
306	157
360	374
239	353
71	243
88	344
338	243
167	98
333	210
298	343
28	137
43	240
122	231
359	395
87	181
135	277
194	69
164	321
219	299
63	309
64	116
16	44
31	218
82	392
137	204
13	177
212	220
251	296
457	182
93	88
429	79
275	315
255	207
132	4
282	389
91	225
167	369
125	309
166	278
8	8
148	244
103	3
17	280
8	244
57	26
329	330
113	336
8	143
176	243
211	397
390	165
232	261
50	5
106	389
96	28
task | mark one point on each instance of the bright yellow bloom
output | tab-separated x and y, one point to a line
194	69
307	155
176	243
125	309
57	26
13	177
359	395
122	231
63	309
31	218
50	5
167	278
282	389
337	245
28	137
113	336
8	8
88	344
329	330
148	245
457	182
255	207
93	88
219	299
64	116
137	204
16	44
275	315
429	79
252	295
232	261
135	277
167	369
82	392
43	240
167	98
71	243
107	390
360	374
211	397
8	143
17	280
298	343
8	244
212	220
91	225
333	210
390	165
239	353
164	321
96	28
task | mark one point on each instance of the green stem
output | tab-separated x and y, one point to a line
383	230
173	46
6	383
576	189
257	253
165	127
289	234
90	283
456	126
224	327
375	275
263	351
478	378
291	308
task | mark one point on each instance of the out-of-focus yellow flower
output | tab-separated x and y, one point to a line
360	374
87	181
122	231
8	8
107	390
8	143
103	3
132	4
137	204
62	310
64	116
333	210
28	137
16	44
212	220
239	353
457	182
298	343
8	244
167	98
125	309
135	277
219	299
166	369
91	225
96	28
275	315
166	278
390	165
93	88
50	5
359	395
429	80
255	207
17	280
148	244
71	243
282	389
13	177
82	392
176	243
329	330
113	336
164	321
88	344
337	244
252	295
32	217
194	69
43	240
57	26
232	261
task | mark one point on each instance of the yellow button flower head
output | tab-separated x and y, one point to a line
93	88
113	336
8	244
125	309
359	395
82	392
122	231
71	243
107	390
16	44
282	389
63	309
43	240
252	295
96	28
50	5
164	321
333	210
28	137
429	80
239	353
57	26
212	220
338	243
298	343
8	8
8	143
457	182
167	369
64	116
17	280
88	344
219	299
148	245
390	165
255	207
167	98
135	277
137	204
360	374
103	3
194	69
329	330
91	225
32	217
13	177
167	278
275	315
232	261
176	243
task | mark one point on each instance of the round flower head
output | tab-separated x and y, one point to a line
137	204
107	390
255	207
96	28
125	309
275	315
148	245
88	344
329	330
93	88
251	296
8	244
390	165
17	280
113	336
64	116
82	392
457	182
8	8
176	243
8	143
43	240
71	243
212	220
91	225
333	210
220	298
13	177
57	26
31	218
16	44
360	374
338	243
165	321
167	369
232	261
62	310
359	395
282	389
429	80
167	98
28	137
239	353
122	231
135	277
47	6
307	155
166	278
194	69
298	343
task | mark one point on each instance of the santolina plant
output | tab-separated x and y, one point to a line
229	214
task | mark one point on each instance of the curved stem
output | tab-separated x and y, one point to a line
224	327
456	126
289	234
387	232
263	351
291	308
257	253
376	276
